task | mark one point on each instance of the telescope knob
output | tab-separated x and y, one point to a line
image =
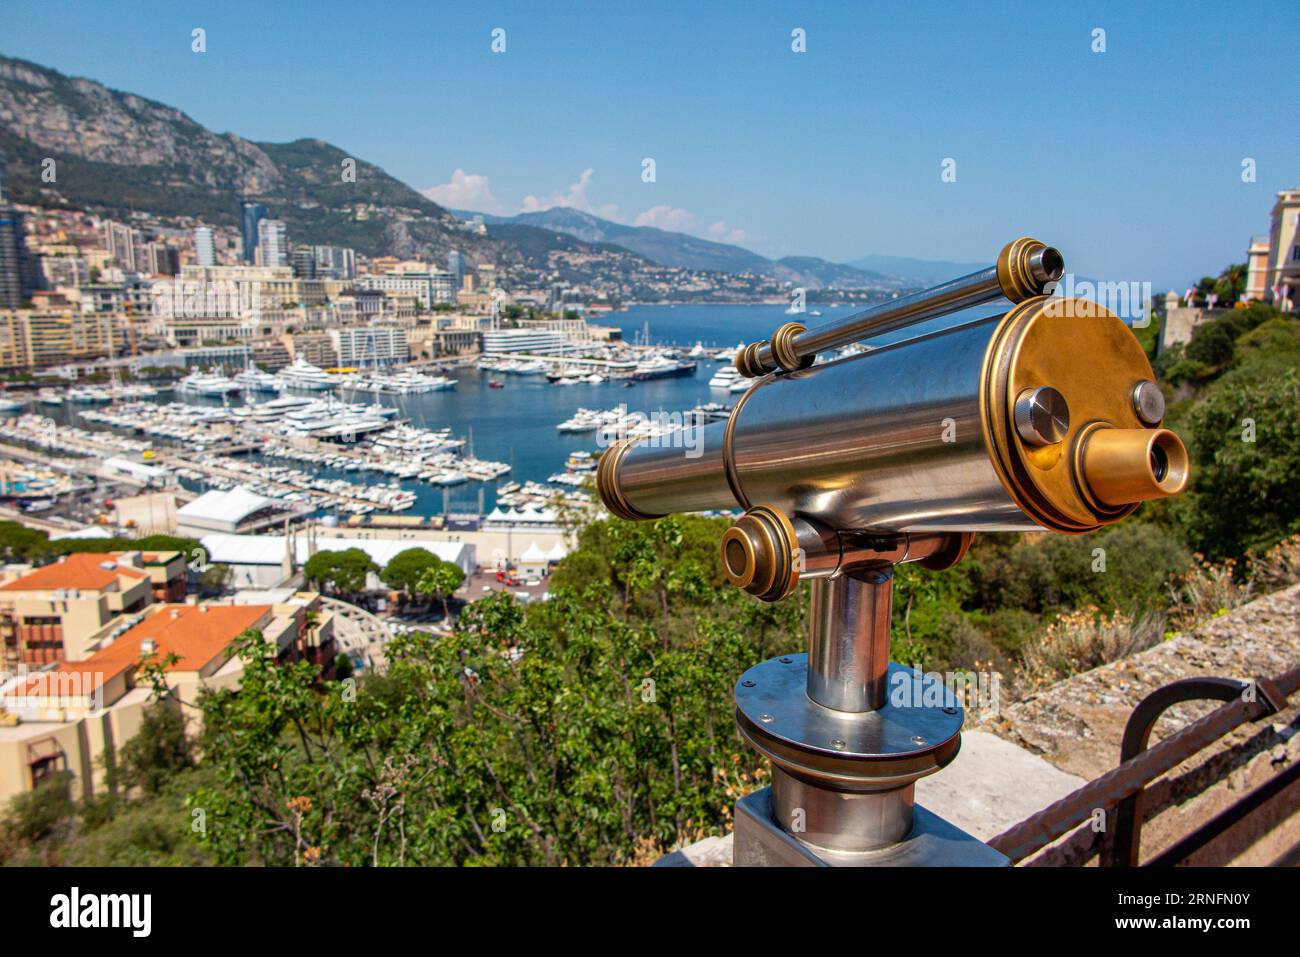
760	553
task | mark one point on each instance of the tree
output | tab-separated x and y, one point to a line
1245	444
406	569
342	571
441	579
157	752
42	812
18	543
214	579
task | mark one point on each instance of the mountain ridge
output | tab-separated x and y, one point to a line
672	248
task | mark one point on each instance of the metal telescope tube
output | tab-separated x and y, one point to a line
1024	269
1039	418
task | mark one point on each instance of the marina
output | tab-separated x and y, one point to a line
489	432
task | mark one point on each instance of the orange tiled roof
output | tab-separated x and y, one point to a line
59	682
196	636
83	570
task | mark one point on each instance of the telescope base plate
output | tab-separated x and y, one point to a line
932	842
915	733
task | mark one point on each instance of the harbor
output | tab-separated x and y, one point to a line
419	447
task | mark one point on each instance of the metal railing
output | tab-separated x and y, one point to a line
1122	792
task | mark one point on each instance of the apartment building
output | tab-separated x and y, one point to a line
58	612
428	287
366	347
48	336
66	719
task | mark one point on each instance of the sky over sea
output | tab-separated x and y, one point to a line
1129	157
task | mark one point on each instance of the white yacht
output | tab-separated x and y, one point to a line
134	390
208	383
254	379
273	409
89	395
306	377
724	378
728	355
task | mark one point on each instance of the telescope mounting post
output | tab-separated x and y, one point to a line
848	735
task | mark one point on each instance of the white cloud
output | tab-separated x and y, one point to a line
666	217
723	233
466	191
574	197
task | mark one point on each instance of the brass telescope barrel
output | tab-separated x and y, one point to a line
1025	268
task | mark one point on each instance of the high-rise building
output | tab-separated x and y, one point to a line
335	262
14	279
250	215
304	262
272	243
161	259
124	245
455	266
205	249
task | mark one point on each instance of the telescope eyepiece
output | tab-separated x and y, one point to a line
1126	466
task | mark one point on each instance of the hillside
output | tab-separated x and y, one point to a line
684	251
116	152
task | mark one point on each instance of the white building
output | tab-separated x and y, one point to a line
428	288
205	249
524	340
365	347
233	511
272	243
1283	276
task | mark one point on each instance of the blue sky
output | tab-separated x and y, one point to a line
1129	160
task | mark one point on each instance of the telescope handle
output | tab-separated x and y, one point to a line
1025	268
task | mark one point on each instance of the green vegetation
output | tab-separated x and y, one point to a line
18	543
407	567
343	572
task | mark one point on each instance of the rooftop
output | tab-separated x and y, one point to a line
82	570
196	634
232	506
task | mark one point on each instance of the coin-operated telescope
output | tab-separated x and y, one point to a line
1043	416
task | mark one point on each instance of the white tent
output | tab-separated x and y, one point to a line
220	511
557	552
533	555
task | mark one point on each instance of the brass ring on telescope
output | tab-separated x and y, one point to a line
783	350
747	363
760	553
607	483
1014	273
